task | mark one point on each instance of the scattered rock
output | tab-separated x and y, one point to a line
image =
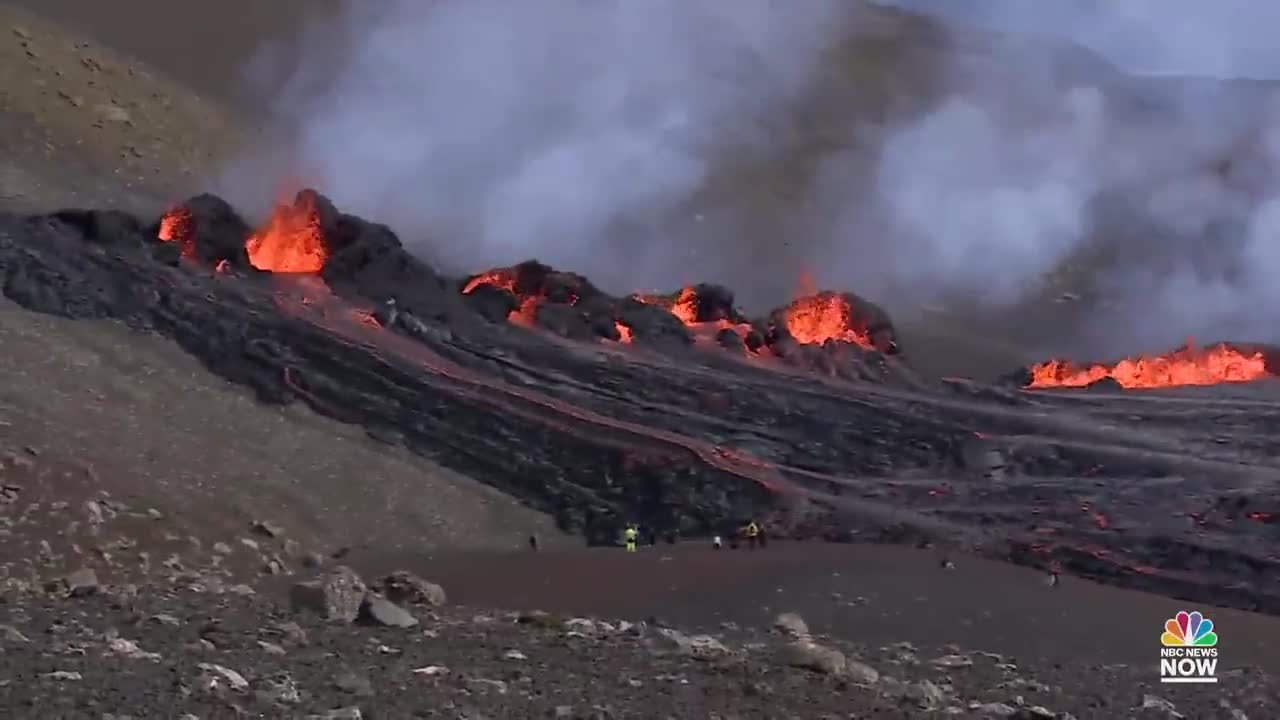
1155	702
335	596
702	647
992	710
279	689
216	677
82	583
812	656
11	634
352	683
792	625
925	694
266	529
861	673
380	611
129	649
347	713
406	588
952	662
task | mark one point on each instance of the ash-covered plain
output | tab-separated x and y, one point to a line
679	412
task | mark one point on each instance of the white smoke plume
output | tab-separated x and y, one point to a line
1038	158
486	131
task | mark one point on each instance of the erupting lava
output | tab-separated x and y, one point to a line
506	278
292	240
1188	366
698	312
825	316
178	226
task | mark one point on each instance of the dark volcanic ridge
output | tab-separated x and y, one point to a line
676	411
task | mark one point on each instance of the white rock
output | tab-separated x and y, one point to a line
217	675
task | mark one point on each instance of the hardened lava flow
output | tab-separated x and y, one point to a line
680	411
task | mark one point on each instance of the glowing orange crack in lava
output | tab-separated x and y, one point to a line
624	333
178	226
527	313
291	241
1188	366
685	308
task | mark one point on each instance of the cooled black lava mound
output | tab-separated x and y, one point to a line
676	411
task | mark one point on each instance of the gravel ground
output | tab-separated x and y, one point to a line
198	648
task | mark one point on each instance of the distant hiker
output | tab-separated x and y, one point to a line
1055	573
717	543
763	538
652	537
533	542
631	536
753	534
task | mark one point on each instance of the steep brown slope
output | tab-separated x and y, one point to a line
111	411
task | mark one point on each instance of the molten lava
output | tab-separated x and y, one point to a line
292	241
504	278
624	333
687	306
1187	366
178	226
684	306
508	279
825	316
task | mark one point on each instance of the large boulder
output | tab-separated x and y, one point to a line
335	596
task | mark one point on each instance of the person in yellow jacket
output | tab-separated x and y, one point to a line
753	534
631	536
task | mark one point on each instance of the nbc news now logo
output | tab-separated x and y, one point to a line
1190	652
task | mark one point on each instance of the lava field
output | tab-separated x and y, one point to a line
680	412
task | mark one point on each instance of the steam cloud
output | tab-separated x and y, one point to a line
1157	173
486	132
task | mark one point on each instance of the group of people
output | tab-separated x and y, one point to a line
752	533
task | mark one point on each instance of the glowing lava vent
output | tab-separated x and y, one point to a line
1187	366
825	316
178	226
291	241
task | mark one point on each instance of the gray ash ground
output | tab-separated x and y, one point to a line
193	647
1175	493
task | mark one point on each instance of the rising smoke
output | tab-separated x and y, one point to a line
580	132
1150	175
487	131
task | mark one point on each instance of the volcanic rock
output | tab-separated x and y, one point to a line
812	656
1106	384
380	611
337	595
213	230
82	583
791	624
404	587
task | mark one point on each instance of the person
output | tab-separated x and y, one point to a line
631	536
717	543
1055	573
533	542
753	534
